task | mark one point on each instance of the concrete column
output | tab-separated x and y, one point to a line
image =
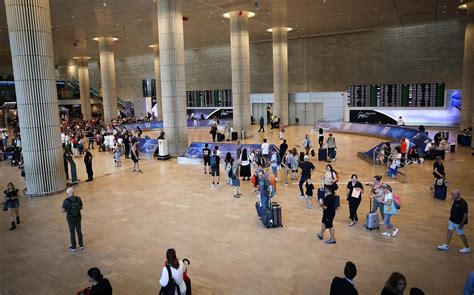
173	84
239	46
156	59
84	86
31	44
280	73
107	76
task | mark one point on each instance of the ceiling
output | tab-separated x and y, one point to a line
133	22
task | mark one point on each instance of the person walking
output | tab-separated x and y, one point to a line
376	193
331	178
206	157
99	284
389	210
331	144
345	286
88	163
265	147
135	156
306	168
457	221
295	163
328	204
274	164
171	279
264	190
309	194
307	145
234	175
214	161
438	171
12	204
126	144
228	161
354	197
213	132
282	131
395	284
72	206
245	168
283	149
321	137
262	123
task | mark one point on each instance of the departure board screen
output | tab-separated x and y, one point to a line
397	95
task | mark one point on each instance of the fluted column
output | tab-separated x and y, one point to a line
84	86
239	46
107	76
173	84
156	59
31	45
280	73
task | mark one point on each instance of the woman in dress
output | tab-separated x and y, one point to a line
245	170
354	196
135	156
12	204
328	204
320	137
228	165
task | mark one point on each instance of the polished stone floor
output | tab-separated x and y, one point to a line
129	220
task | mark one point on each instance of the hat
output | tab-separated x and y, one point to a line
306	157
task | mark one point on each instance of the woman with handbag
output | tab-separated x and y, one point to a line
330	178
354	197
389	210
438	172
12	204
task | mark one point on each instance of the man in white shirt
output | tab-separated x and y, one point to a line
400	121
265	151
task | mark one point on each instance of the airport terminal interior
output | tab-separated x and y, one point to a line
242	146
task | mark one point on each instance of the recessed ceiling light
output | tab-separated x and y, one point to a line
381	17
375	9
349	21
340	13
72	16
445	6
444	11
104	4
463	6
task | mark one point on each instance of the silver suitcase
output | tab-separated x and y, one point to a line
372	220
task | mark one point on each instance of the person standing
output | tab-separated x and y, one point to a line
245	169
228	161
265	152
354	197
88	163
306	168
195	123
309	194
234	175
328	205
274	164
173	269
262	123
214	161
12	204
264	190
307	144
321	137
400	121
283	149
282	131
331	144
395	284
331	178
389	210
135	156
376	193
457	221
213	132
345	286
72	206
206	156
126	144
438	171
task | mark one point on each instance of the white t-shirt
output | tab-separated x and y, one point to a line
400	122
329	178
63	138
265	148
177	275
274	160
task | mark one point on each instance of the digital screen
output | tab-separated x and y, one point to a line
397	95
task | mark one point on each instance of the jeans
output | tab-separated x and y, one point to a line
386	221
264	199
469	286
302	181
376	204
75	225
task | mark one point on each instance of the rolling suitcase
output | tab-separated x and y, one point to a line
440	190
259	208
322	155
372	220
267	218
321	193
220	137
276	212
235	135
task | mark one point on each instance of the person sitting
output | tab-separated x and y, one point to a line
345	286
444	145
413	154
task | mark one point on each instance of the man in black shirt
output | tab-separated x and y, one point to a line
72	206
306	168
345	286
215	161
457	221
88	163
206	155
283	149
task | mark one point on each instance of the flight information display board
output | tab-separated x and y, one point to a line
397	95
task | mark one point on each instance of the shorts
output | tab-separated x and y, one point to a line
393	171
455	227
207	161
235	181
327	221
11	204
215	171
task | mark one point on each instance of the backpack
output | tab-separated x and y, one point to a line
171	287
214	161
74	209
397	201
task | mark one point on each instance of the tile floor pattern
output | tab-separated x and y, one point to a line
129	220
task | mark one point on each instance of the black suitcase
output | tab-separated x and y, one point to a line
276	210
220	137
322	155
440	189
235	135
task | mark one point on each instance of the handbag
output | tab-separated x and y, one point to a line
440	182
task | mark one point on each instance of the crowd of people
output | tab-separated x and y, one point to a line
263	168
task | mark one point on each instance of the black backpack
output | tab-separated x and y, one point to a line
74	209
171	287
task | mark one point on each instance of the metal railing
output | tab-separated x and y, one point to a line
376	155
74	83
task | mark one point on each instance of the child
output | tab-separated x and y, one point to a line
393	171
309	194
274	164
118	155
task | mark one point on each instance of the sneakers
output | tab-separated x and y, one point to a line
81	248
395	232
444	247
352	223
385	234
381	223
213	185
72	249
236	196
465	250
302	197
330	241
320	236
